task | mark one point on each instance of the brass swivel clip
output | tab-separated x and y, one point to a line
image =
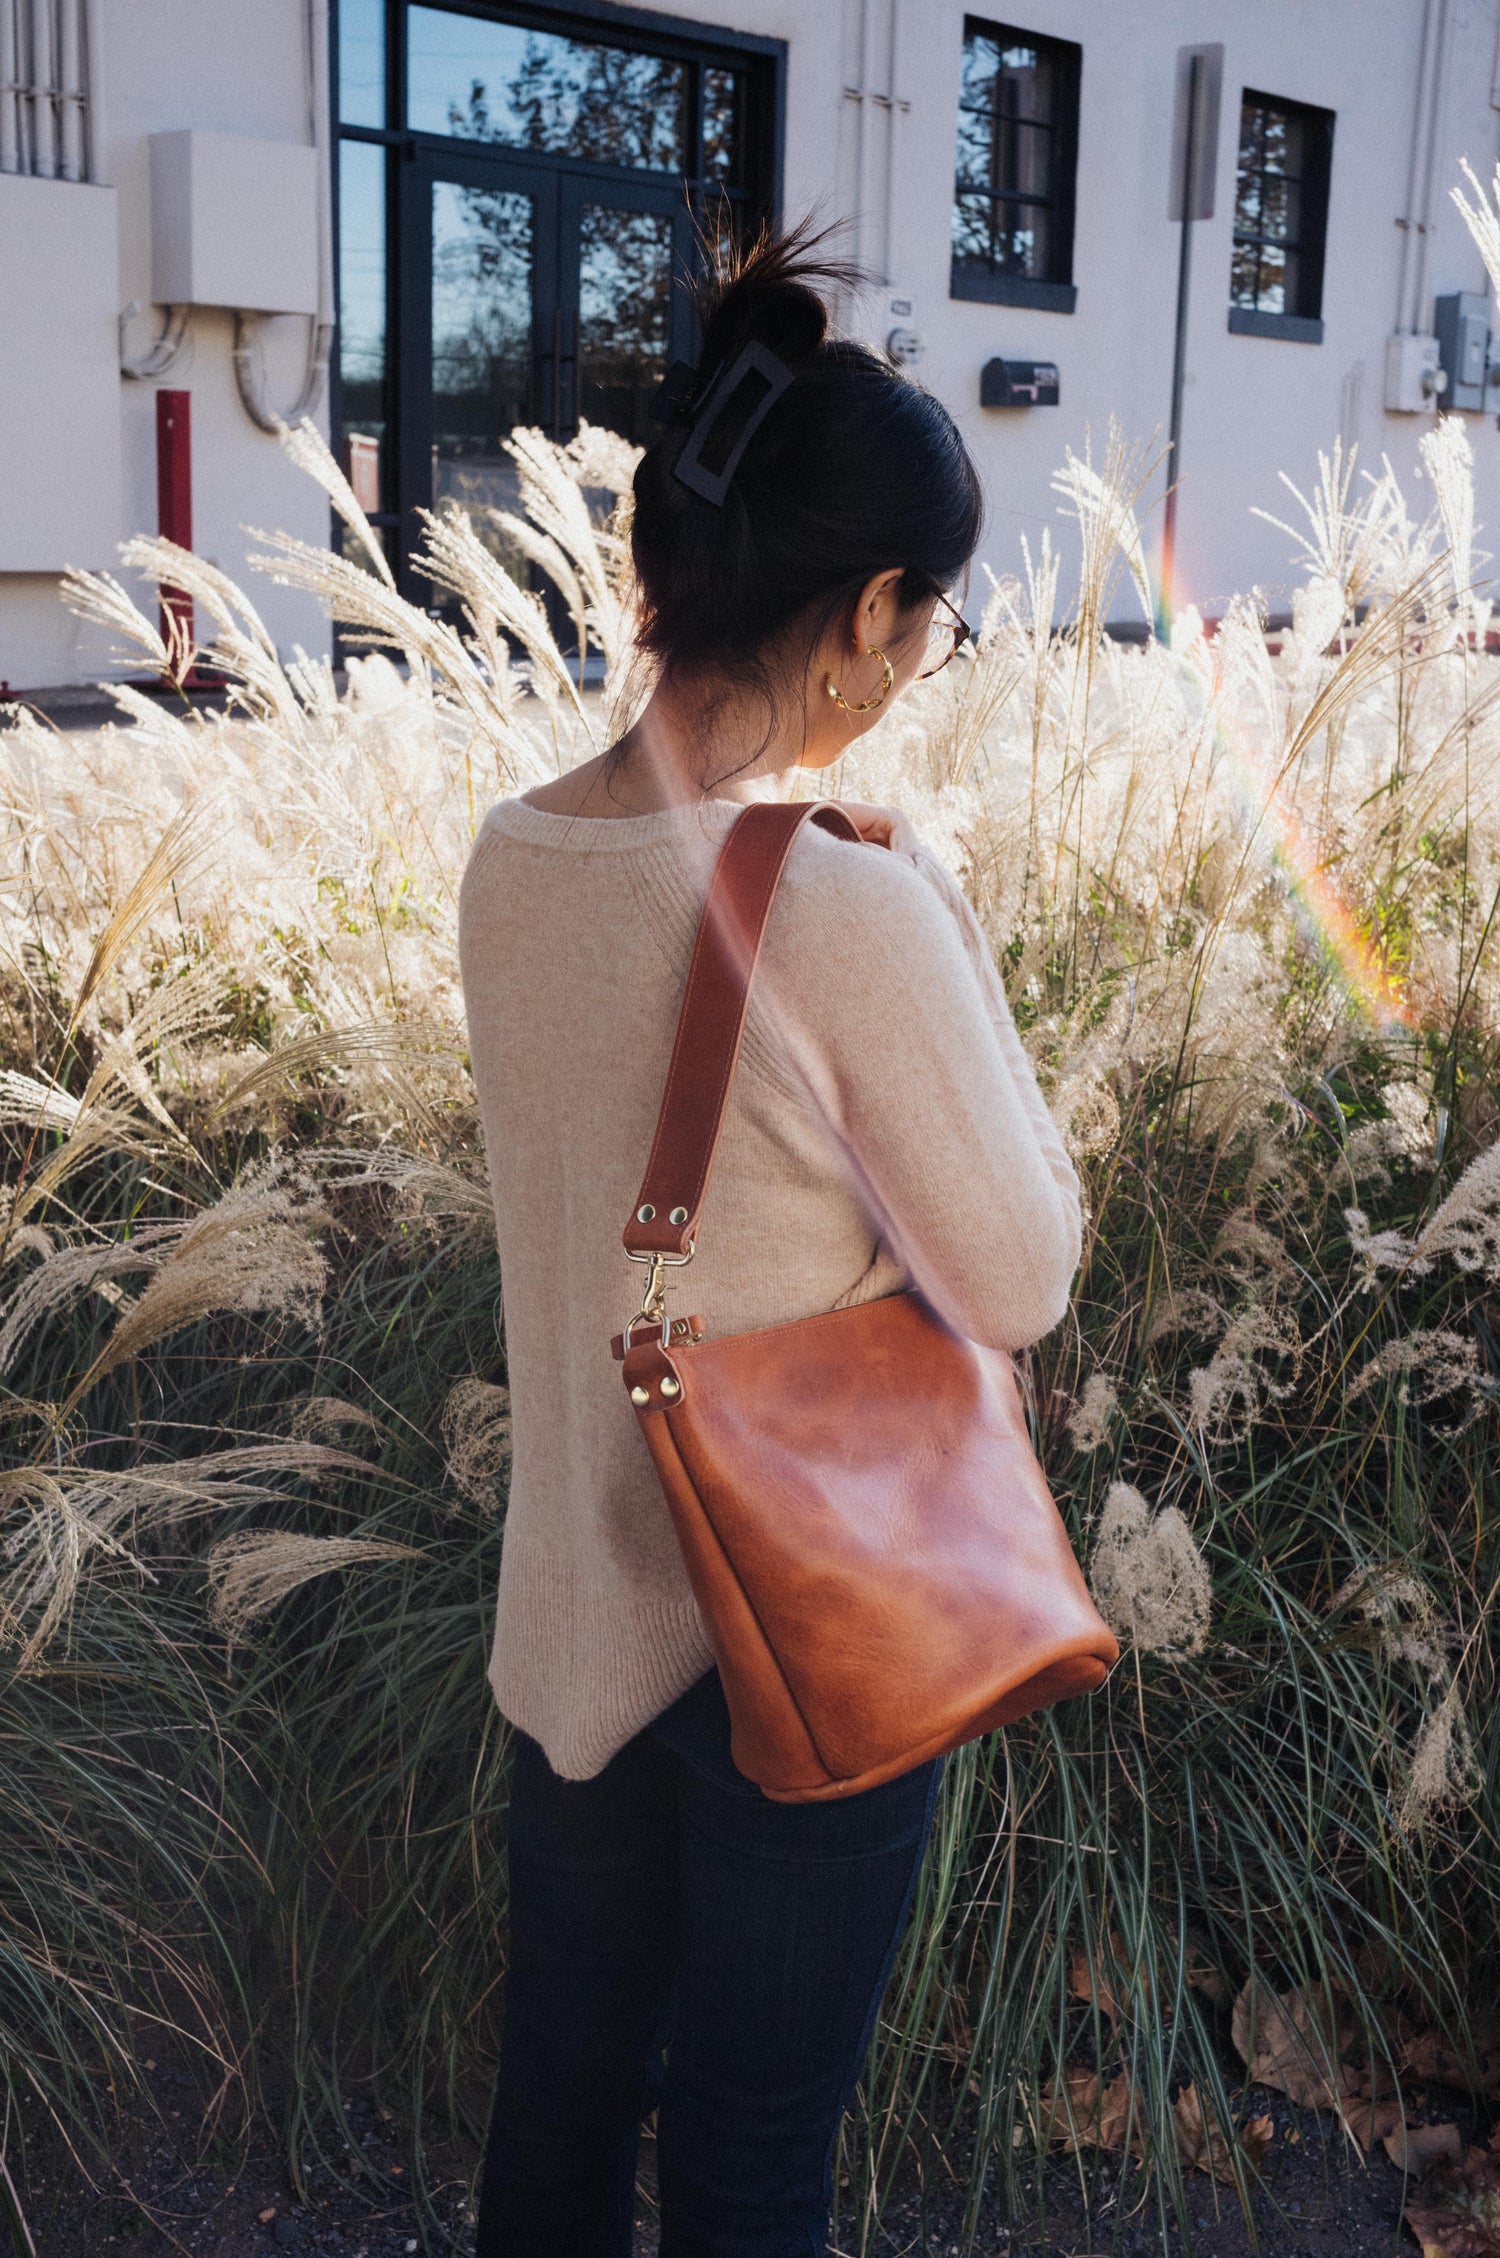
653	1309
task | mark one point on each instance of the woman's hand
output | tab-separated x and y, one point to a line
881	827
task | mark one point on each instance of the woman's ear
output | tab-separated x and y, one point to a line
877	610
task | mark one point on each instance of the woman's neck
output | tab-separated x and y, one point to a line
690	743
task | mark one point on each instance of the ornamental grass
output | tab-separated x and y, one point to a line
1243	889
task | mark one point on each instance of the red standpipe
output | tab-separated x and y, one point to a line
174	512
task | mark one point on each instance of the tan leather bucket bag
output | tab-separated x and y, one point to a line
878	1559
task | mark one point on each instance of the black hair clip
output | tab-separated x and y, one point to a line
674	395
737	404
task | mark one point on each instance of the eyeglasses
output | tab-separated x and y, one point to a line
945	638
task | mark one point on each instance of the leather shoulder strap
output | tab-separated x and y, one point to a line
712	1019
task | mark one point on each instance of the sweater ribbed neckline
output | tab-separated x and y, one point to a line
592	834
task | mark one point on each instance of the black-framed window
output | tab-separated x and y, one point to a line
586	110
1017	167
1280	218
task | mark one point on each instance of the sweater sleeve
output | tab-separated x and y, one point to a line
917	1059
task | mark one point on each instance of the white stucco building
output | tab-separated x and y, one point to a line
480	214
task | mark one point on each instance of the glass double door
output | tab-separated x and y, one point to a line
534	295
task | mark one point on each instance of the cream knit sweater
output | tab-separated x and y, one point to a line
884	1126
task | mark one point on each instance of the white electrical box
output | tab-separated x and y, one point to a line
59	376
1414	376
234	223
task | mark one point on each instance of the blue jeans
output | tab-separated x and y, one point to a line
677	1939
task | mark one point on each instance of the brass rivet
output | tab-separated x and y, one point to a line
671	1387
678	1215
640	1395
646	1214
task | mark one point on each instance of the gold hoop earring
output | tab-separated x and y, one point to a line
867	705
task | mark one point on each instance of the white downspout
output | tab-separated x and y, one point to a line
887	250
1435	117
94	144
10	88
1407	221
870	210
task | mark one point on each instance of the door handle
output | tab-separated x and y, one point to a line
577	399
557	361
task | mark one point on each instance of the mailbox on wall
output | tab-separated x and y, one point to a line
1018	384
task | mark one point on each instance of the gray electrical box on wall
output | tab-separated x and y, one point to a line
1462	326
1018	384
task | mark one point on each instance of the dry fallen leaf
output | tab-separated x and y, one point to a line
1090	2114
1090	1980
1203	2144
1433	2054
1369	2121
1416	2148
1293	2044
1457	2214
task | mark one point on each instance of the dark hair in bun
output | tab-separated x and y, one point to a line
853	470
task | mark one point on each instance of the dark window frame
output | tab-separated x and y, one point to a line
761	59
1302	323
980	280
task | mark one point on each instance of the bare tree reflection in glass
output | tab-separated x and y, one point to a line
624	309
538	90
483	259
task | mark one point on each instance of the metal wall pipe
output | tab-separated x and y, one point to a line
10	89
1412	221
41	98
1434	127
48	56
69	36
91	80
870	148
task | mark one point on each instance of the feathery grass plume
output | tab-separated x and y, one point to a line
1466	1227
1403	1133
1093	1414
1448	459
1382	1250
1149	1580
1190	1310
253	1571
1444	1773
255	1250
455	559
164	1493
1482	218
42	1553
1228	1394
316	1417
587	563
306	447
1428	1365
98	598
425	1190
476	1429
1103	502
36	1105
317	1049
66	1273
1402	1614
185	843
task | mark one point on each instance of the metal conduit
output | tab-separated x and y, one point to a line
867	156
45	63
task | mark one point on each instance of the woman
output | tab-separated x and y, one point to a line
677	1939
